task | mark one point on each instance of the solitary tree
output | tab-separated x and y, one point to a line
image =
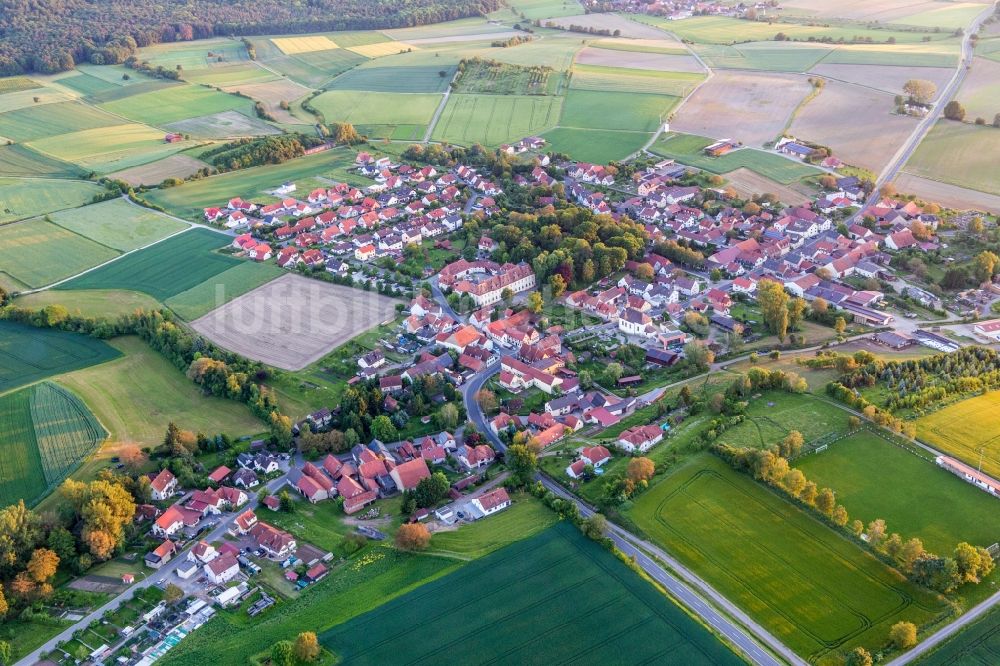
306	647
953	110
413	536
920	90
773	303
987	265
640	469
903	635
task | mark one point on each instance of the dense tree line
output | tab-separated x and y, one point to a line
247	152
53	35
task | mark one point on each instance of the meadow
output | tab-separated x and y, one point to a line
815	590
492	119
106	149
960	154
509	606
118	224
526	517
45	432
541	9
978	643
874	478
109	303
626	80
222	288
376	108
399	77
587	109
190	199
23	198
137	395
764	56
772	416
37	253
688	149
19	160
596	146
727	30
45	120
28	354
967	430
177	103
165	269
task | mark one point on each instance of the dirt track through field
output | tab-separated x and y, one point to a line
294	321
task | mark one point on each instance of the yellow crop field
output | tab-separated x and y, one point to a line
967	430
293	45
381	49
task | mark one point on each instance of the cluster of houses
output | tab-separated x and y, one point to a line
405	205
378	470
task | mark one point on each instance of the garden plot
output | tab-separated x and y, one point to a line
857	123
293	321
750	107
658	62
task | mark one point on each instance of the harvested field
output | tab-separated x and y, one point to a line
658	62
960	154
612	22
294	321
886	78
554	584
749	107
948	196
293	45
380	49
154	173
747	184
483	37
398	77
272	94
28	354
980	92
935	54
223	126
857	123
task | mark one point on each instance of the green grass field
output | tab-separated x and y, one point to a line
624	80
136	396
397	78
107	149
977	644
921	500
19	160
37	253
177	103
588	109
727	30
951	15
815	590
936	54
527	516
165	269
230	75
46	432
688	149
118	224
17	83
23	198
967	430
597	146
541	9
222	288
199	54
960	154
29	354
87	85
549	599
776	413
190	199
494	119
45	120
377	108
764	56
109	303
